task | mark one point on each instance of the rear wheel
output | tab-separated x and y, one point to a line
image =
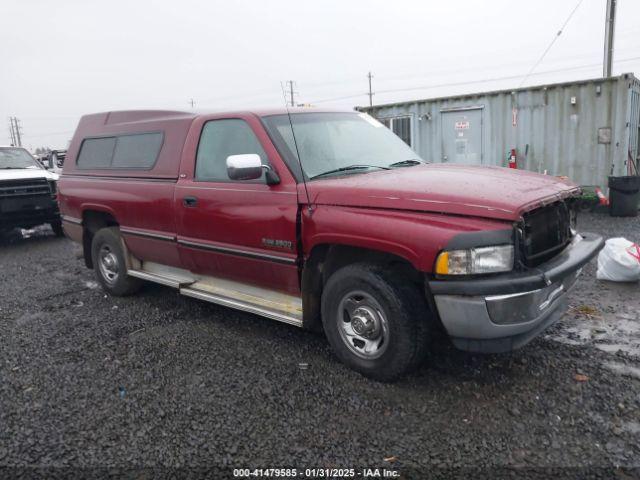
109	263
377	322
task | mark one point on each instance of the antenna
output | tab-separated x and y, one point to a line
295	144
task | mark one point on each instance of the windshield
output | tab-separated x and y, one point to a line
338	143
17	158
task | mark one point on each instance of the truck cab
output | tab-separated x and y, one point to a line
324	220
28	192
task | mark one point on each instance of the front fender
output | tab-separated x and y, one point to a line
415	236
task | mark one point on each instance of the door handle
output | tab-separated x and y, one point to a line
189	201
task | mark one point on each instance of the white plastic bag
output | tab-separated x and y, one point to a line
619	261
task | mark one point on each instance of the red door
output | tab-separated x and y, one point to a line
238	230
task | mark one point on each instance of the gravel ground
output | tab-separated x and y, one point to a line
160	381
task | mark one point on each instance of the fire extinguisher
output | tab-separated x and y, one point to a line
512	158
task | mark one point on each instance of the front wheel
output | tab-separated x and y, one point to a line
109	263
377	322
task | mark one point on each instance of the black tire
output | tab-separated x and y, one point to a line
402	306
57	228
107	245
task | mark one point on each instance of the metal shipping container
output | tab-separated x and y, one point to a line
586	130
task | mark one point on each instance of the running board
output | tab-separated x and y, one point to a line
268	303
242	305
162	279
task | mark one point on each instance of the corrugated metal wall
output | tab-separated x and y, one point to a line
552	132
634	120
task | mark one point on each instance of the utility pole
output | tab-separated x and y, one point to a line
18	136
369	76
292	93
13	137
609	31
14	129
192	103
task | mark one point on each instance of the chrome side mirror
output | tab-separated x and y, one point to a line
249	167
244	167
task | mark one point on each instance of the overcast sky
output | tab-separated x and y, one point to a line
61	59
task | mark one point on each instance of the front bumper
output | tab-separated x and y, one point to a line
26	211
505	312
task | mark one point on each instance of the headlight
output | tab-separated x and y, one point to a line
475	261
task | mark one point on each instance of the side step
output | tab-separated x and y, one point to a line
238	304
260	301
169	281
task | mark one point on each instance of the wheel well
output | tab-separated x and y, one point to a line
324	260
92	221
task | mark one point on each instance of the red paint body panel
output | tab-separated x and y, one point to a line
491	192
416	237
238	215
411	212
134	203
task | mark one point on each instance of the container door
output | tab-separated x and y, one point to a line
462	136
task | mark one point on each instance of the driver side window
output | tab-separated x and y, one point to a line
220	139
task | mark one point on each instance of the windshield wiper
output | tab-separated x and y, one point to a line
350	167
407	163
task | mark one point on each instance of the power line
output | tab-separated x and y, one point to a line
398	90
544	54
439	72
471	82
49	134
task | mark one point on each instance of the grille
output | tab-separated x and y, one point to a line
547	230
26	187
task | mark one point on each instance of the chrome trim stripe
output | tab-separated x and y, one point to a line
242	253
497	298
247	307
552	296
140	233
66	218
203	246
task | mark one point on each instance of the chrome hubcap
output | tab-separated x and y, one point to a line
362	325
108	264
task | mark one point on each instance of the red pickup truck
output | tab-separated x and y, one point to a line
327	220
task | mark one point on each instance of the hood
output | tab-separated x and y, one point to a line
26	173
490	192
